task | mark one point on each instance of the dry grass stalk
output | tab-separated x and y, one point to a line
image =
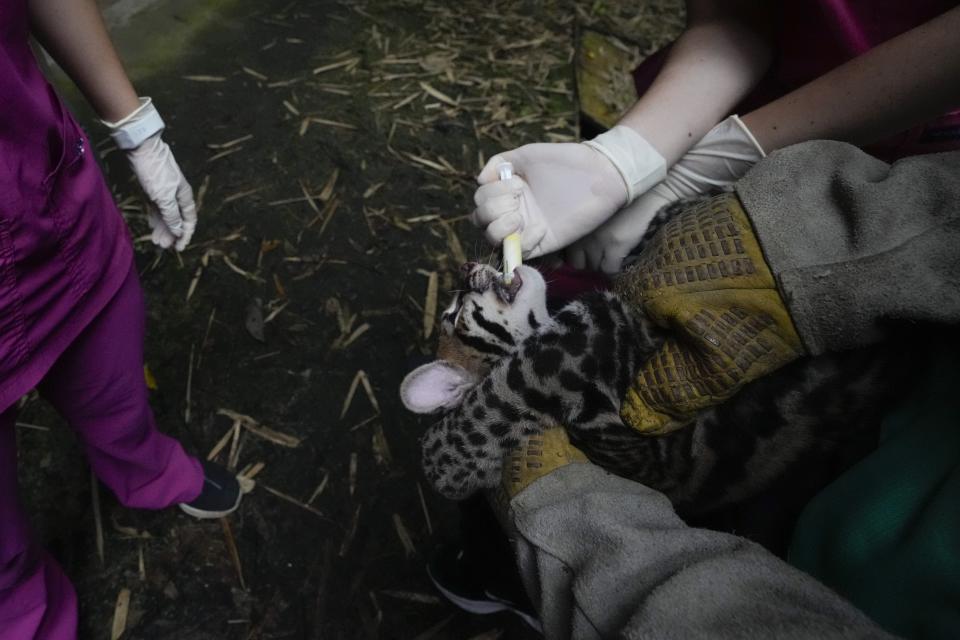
120	611
129	533
333	123
224	439
254	73
273	314
204	261
233	551
348	538
359	378
230	143
426	512
348	64
206	336
35	427
186	409
411	596
344	340
204	78
381	448
202	192
430	303
224	154
372	189
404	535
241	194
250	471
97	518
439	95
330	209
292	109
353	473
141	563
246	274
309	198
259	430
320	487
327	192
291	500
235	445
453	243
363	423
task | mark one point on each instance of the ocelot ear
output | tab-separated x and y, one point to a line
435	386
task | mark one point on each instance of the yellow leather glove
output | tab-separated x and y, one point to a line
533	458
704	278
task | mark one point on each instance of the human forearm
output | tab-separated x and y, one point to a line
72	31
710	68
603	557
901	83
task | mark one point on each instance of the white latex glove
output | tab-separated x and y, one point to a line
721	158
173	212
563	191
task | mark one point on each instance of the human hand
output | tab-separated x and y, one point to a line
173	213
721	158
563	191
606	247
704	277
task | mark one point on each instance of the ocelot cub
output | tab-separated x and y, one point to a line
506	367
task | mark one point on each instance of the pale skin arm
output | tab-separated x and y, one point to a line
896	85
72	31
713	65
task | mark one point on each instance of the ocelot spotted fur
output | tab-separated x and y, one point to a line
506	367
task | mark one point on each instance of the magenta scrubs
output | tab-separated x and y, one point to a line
71	325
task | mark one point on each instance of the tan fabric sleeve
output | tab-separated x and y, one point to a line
858	246
604	557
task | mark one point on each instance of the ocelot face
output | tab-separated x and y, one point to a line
486	321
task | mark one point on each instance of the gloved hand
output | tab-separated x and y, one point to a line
704	277
173	213
721	158
563	191
533	458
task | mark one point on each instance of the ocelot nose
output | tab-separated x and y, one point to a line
466	269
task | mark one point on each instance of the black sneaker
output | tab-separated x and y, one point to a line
220	495
452	577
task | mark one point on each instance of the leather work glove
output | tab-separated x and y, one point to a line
721	158
532	459
704	278
562	191
173	213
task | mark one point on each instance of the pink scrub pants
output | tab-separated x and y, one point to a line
98	386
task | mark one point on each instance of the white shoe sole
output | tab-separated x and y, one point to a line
209	515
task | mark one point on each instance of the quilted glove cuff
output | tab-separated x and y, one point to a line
638	163
532	459
705	278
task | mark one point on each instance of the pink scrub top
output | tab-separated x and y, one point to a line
64	247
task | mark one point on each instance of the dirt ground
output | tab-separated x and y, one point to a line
332	146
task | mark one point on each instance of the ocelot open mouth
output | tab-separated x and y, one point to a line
508	292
